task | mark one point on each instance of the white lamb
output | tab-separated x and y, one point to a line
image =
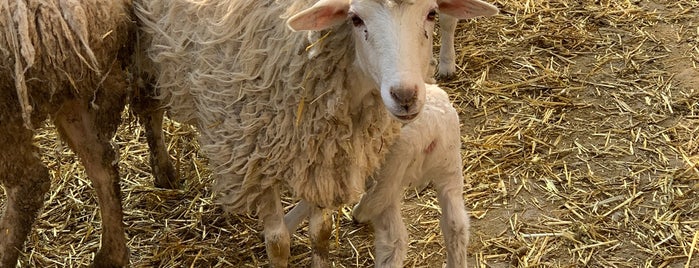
275	107
427	150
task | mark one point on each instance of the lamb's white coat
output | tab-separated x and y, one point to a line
428	150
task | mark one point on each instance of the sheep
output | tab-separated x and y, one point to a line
428	150
309	103
447	55
65	60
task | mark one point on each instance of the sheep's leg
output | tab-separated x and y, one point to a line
454	221
277	239
77	125
296	215
390	237
447	55
26	180
163	170
150	114
320	228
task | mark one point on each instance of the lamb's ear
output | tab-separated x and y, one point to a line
466	9
322	15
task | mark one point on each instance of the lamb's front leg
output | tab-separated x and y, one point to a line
390	237
454	221
277	238
387	190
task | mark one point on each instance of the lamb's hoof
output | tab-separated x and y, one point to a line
357	218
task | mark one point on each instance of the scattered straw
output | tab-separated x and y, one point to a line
580	123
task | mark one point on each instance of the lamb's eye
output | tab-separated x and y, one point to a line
432	15
356	21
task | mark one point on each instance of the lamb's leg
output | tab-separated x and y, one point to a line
387	190
296	215
390	237
277	239
320	228
454	221
77	125
150	114
26	180
447	55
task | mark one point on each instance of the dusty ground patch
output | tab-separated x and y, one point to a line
580	144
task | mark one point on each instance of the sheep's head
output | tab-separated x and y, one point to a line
393	41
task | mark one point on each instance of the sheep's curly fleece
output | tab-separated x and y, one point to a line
268	110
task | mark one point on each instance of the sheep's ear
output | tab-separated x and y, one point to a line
322	15
466	9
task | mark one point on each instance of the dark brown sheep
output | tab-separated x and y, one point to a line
66	60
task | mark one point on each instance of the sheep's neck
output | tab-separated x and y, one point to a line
361	88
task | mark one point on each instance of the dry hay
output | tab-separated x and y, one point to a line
581	143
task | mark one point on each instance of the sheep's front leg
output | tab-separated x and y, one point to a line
277	238
26	180
320	228
390	237
447	55
151	114
77	125
454	221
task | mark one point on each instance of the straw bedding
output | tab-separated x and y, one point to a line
580	122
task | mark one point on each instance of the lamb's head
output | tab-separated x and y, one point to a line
393	41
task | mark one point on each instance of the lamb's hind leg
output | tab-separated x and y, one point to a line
454	221
296	215
277	238
77	125
26	180
320	228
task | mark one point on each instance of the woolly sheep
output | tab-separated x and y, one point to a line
65	60
447	55
427	150
311	110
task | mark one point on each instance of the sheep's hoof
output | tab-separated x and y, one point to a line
110	260
445	76
166	178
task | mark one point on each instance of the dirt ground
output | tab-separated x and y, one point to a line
580	123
